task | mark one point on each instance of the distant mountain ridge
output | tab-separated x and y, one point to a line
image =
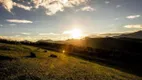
134	35
137	35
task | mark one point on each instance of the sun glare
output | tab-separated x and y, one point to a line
76	33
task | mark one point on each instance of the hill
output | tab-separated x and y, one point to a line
16	63
109	43
135	35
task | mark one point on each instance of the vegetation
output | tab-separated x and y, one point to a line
120	53
17	66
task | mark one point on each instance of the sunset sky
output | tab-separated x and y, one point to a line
56	19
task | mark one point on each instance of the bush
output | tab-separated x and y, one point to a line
5	58
32	54
45	51
53	56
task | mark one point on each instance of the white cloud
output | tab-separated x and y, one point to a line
12	24
134	26
18	21
66	32
116	19
22	6
49	13
52	9
45	34
17	35
133	16
24	33
51	6
118	6
1	25
87	8
8	5
107	2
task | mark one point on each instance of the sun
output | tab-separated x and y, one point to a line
76	33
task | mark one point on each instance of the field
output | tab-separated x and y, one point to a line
17	62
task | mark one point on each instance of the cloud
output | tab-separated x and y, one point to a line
134	26
1	25
116	19
107	2
24	33
9	4
12	24
133	16
118	6
18	21
87	8
22	6
17	35
66	32
51	6
111	25
45	34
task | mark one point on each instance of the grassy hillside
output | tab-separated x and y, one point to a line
121	44
18	63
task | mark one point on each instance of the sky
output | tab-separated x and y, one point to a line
51	19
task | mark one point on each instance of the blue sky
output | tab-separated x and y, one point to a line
48	19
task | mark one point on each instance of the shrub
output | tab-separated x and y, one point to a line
32	54
45	51
5	58
53	56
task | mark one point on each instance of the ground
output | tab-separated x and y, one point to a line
17	63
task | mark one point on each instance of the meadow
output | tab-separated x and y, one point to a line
24	62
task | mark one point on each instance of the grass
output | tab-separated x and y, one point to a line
17	66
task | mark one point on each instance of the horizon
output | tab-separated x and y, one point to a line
64	19
99	35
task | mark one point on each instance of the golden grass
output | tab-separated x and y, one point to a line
48	68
